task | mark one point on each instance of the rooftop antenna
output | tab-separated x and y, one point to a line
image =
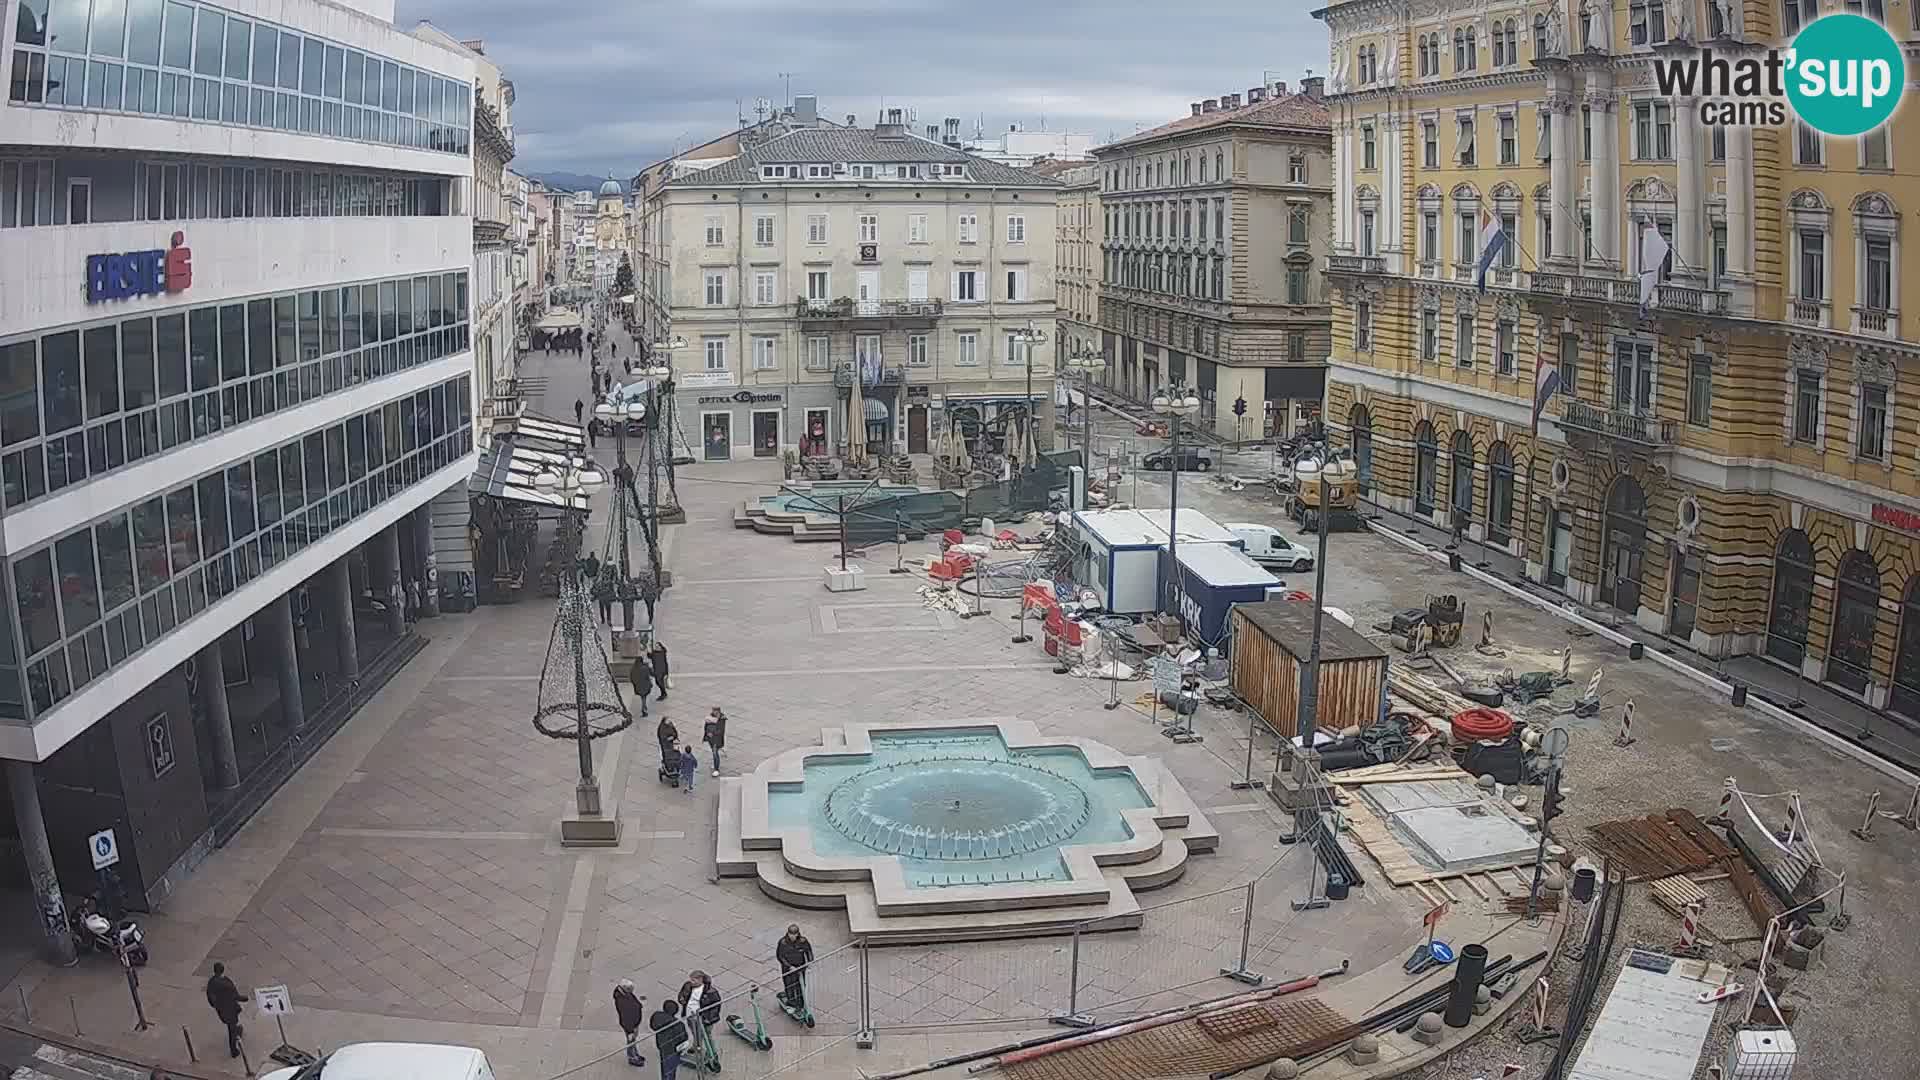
761	107
788	77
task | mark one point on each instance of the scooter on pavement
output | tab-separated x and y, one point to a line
756	1036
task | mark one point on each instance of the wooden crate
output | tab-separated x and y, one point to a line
1271	643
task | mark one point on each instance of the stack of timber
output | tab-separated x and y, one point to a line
1427	695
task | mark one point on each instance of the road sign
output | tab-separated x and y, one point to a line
1166	675
273	1000
104	849
1432	918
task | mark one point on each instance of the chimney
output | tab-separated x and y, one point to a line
933	132
1256	95
1313	86
1209	105
852	120
1196	108
1280	88
951	128
806	110
893	127
1230	101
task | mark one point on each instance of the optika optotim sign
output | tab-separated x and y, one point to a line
129	274
1842	76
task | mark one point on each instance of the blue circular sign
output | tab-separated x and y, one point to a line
1442	952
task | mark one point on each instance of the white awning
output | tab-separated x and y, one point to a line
558	319
506	472
555	434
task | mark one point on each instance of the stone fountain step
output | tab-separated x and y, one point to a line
744	517
1120	912
1164	868
730	860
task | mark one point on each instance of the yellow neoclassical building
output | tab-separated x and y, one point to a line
1735	459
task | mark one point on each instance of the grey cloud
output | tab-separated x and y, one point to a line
609	88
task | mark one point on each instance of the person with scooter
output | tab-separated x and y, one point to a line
700	1005
795	954
669	1035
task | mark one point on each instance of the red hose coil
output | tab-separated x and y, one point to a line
1482	724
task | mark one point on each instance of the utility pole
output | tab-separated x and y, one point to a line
1310	678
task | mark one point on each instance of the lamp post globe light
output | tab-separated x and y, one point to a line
1175	404
618	413
1088	363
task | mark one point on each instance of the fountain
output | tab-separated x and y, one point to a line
976	828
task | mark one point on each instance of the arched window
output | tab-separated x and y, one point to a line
1426	454
1856	616
1460	479
1219	167
1905	698
1360	429
1540	36
1792	598
1187	170
1459	49
1499	493
1203	168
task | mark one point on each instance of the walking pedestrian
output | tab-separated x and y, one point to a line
641	677
794	953
689	767
669	1034
603	591
657	659
715	735
579	410
627	1006
225	999
593	435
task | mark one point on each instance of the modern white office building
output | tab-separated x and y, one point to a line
234	367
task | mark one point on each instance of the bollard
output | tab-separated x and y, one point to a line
1364	1049
188	1036
1566	665
1625	738
26	1009
74	1008
1427	1029
1911	819
1486	629
1593	687
1865	831
1720	816
1540	1004
1689	927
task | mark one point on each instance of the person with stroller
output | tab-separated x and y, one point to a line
668	736
794	953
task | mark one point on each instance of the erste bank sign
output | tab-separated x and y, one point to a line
128	274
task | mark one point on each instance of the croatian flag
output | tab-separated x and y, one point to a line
1493	240
1654	255
1546	383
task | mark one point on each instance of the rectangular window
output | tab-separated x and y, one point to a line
1466	149
1366	147
763	288
917	350
1017	285
1296	347
1469	239
1806	407
716	288
763	354
716	231
1503	338
1700	391
916	228
966	351
1570	365
1296	285
1430	237
969	228
1873	422
1719	252
763	230
966	285
1463	341
1429	335
1429	144
818	290
1363	326
1299	223
1509	141
1586	133
1633	377
716	353
1366	232
1873	150
1016	229
1017	352
869	229
816	228
1813	265
1808	146
1296	168
1877	288
1509	227
819	355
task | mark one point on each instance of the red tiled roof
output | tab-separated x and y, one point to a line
1294	110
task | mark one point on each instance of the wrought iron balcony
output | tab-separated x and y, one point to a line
1356	264
1618	424
886	375
845	312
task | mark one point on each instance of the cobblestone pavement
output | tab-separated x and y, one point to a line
407	884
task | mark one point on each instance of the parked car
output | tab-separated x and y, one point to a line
1270	547
386	1061
1192	459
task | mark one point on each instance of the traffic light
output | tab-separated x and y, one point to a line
1239	406
1550	802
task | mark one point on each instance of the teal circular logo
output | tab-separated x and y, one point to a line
1845	75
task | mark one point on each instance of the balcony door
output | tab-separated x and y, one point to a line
916	285
868	295
1633	377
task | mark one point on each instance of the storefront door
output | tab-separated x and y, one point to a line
1560	549
814	442
719	435
917	430
1686	595
766	433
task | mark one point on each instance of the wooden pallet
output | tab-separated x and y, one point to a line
1676	893
1394	774
1651	847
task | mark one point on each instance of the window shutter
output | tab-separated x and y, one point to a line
954	294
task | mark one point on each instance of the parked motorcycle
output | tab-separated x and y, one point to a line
94	931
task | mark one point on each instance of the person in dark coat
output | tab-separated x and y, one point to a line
579	410
627	1006
689	768
714	734
669	1034
225	999
657	659
794	952
702	1016
642	678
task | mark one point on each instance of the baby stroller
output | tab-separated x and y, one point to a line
669	764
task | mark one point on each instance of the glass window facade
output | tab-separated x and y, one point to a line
100	594
195	61
78	402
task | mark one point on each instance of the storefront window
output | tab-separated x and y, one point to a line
1905	698
1460	478
1499	493
1856	613
1426	453
1792	598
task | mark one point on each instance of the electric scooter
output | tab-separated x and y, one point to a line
755	1036
801	1012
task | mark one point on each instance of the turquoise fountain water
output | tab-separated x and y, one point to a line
958	808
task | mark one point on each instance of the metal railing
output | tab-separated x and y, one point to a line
1356	264
1808	312
889	375
1873	320
844	308
1618	424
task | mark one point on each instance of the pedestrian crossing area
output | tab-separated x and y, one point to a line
59	1063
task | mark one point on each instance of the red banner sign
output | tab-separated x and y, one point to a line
1894	517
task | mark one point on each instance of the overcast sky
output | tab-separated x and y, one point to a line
611	87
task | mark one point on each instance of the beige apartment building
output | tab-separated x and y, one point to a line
830	255
1076	246
1214	228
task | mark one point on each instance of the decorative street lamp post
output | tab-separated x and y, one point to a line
1174	404
1088	362
1032	339
620	412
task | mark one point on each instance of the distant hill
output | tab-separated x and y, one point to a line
567	181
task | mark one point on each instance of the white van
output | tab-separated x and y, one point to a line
392	1060
1270	547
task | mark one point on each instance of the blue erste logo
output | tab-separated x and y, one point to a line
1846	74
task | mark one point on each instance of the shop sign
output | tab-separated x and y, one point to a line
126	274
1894	517
919	391
744	397
702	380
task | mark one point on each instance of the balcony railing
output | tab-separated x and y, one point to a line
1808	312
1618	424
1692	300
1356	264
811	310
886	375
1876	320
